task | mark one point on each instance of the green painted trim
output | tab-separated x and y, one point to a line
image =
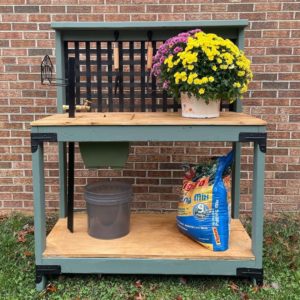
149	266
146	25
258	204
147	133
62	160
60	70
39	202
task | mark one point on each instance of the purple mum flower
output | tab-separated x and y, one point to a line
166	84
171	47
177	49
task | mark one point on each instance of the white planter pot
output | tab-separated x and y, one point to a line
191	107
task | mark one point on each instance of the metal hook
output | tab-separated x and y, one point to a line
149	35
116	35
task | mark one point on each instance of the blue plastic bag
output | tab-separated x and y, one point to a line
204	211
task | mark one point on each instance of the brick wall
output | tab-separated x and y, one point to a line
272	43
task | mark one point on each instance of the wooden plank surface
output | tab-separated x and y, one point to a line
151	236
152	118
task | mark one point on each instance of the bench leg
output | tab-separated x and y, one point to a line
62	179
258	204
39	206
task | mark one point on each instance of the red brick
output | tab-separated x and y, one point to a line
198	16
291	6
262	42
105	9
143	17
240	7
158	9
5	26
185	8
14	18
253	16
26	9
213	7
289	42
276	34
39	18
268	7
53	9
170	17
117	18
132	9
264	25
61	18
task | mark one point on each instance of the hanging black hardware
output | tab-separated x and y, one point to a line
70	206
257	137
41	270
47	73
71	87
39	138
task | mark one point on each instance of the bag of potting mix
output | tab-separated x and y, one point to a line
204	210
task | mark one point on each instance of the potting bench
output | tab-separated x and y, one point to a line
154	245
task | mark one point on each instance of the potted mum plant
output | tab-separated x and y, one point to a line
202	69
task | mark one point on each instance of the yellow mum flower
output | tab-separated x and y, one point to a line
244	89
191	67
223	67
211	79
241	73
190	80
201	91
176	62
214	68
237	85
205	79
197	81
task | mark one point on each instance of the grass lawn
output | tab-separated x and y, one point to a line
281	266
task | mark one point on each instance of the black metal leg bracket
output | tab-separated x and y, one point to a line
256	137
39	138
41	271
251	273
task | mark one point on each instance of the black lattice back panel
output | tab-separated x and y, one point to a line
95	77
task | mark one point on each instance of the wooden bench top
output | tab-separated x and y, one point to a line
147	119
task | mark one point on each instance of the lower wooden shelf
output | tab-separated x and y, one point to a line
153	236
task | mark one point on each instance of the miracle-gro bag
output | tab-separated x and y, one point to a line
204	211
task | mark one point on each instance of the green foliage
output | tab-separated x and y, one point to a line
281	266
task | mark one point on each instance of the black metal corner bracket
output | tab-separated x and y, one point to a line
252	273
41	270
257	137
39	138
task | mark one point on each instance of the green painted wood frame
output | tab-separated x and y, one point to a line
146	133
97	31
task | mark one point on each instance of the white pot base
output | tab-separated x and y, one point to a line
191	107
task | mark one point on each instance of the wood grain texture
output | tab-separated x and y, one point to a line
151	236
151	118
